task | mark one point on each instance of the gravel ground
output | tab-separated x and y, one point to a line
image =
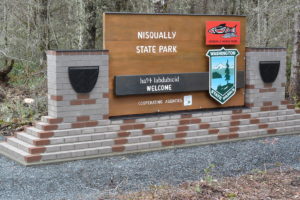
88	179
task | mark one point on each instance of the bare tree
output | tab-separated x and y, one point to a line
160	6
294	87
123	5
44	28
89	36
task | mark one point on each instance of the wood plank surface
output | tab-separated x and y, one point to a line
121	39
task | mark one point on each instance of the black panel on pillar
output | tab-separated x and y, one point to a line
269	70
84	78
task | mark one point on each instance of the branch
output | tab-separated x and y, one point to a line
15	58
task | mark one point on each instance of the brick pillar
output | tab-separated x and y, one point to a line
259	94
64	104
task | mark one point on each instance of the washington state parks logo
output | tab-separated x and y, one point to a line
222	73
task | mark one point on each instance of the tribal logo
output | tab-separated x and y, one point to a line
223	32
222	73
228	32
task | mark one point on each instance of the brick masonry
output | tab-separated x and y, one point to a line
63	102
259	94
78	126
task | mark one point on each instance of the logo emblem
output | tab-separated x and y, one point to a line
222	32
222	73
226	31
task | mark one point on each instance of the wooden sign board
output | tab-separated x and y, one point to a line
164	54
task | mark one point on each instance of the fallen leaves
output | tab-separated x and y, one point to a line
272	184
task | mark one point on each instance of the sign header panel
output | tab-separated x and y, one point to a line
169	49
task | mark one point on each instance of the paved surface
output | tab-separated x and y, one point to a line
87	179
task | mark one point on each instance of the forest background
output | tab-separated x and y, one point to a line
29	28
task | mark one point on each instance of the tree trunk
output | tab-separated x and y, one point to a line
192	6
80	14
4	72
205	7
160	6
5	25
44	24
258	22
123	5
294	87
89	36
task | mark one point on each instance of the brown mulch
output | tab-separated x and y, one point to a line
270	185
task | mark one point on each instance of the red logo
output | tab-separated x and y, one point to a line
222	32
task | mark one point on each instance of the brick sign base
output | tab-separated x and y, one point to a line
77	125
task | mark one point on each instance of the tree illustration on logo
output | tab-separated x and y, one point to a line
222	89
227	72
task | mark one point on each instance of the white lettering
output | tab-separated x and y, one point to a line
156	35
157	88
140	35
145	49
143	103
167	49
173	101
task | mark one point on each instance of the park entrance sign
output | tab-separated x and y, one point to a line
158	62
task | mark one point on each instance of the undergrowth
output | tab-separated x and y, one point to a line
24	83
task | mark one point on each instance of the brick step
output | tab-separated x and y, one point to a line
102	142
128	124
14	152
52	120
42	132
83	135
118	141
30	139
44	126
173	125
270	131
69	154
169	135
84	152
211	128
17	154
24	146
106	150
57	133
100	139
23	156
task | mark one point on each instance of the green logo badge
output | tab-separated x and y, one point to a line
222	73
